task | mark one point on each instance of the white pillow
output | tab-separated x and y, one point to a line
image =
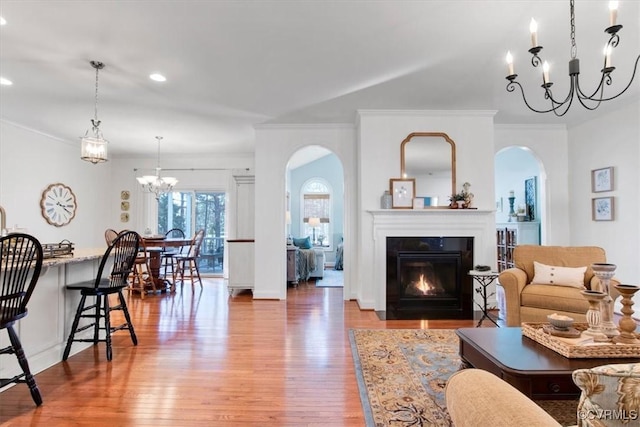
561	276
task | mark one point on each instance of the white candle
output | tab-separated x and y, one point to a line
545	72
613	12
607	56
510	63
511	193
533	27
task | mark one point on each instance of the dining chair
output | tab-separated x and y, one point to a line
141	279
189	261
168	262
110	235
20	265
122	252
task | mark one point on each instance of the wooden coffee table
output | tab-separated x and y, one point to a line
538	372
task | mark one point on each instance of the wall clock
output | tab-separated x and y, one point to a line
58	204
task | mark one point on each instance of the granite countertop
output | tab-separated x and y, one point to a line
79	255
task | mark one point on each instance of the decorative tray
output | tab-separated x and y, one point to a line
52	250
583	347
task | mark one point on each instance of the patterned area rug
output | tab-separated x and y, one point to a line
402	374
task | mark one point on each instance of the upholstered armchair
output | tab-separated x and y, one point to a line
559	292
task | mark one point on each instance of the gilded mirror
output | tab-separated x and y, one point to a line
430	158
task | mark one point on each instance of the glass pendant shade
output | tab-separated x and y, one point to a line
94	148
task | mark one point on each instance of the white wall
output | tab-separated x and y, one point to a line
274	146
549	144
611	140
380	133
29	162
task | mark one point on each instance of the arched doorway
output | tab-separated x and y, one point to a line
315	210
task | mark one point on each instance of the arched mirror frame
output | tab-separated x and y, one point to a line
434	135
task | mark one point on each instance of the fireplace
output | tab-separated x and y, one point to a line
427	278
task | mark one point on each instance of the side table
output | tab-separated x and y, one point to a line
484	279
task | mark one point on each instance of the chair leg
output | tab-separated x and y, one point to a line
195	264
107	327
22	360
127	317
96	319
74	326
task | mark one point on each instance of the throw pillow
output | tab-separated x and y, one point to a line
303	242
561	276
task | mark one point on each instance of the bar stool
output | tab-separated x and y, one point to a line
123	252
20	266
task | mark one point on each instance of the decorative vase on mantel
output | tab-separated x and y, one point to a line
386	200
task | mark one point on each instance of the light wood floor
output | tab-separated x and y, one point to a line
205	359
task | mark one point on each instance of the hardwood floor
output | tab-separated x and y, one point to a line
205	359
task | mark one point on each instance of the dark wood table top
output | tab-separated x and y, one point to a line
508	349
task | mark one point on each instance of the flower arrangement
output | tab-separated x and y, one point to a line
463	196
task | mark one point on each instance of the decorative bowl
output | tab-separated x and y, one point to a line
560	321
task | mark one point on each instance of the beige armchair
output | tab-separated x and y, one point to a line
527	302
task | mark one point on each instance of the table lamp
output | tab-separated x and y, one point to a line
314	222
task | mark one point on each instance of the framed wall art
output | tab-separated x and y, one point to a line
403	191
602	180
602	208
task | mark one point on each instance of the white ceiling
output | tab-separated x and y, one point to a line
233	64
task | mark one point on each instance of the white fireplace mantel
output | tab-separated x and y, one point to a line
476	223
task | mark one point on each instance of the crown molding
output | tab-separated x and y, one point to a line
530	127
428	113
305	126
36	131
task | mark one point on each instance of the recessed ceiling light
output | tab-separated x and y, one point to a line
158	77
5	82
3	21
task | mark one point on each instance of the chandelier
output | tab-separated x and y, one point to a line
93	147
589	101
155	183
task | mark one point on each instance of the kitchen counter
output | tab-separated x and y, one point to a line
45	329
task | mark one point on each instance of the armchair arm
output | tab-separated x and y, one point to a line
478	398
513	280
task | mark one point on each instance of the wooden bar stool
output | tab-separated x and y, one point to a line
123	253
141	279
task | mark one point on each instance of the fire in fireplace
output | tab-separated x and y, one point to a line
427	278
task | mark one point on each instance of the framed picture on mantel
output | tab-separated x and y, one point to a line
403	191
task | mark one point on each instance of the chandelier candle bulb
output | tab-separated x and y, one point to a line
533	28
510	63
607	56
613	12
545	72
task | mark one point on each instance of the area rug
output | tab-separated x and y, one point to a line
402	374
331	279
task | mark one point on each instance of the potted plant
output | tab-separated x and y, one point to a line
457	200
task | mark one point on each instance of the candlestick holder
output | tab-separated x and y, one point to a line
627	324
593	314
604	272
512	213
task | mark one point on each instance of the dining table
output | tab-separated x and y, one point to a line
155	247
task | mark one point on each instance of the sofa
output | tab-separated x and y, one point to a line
609	397
532	302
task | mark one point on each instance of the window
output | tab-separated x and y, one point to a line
192	211
316	203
